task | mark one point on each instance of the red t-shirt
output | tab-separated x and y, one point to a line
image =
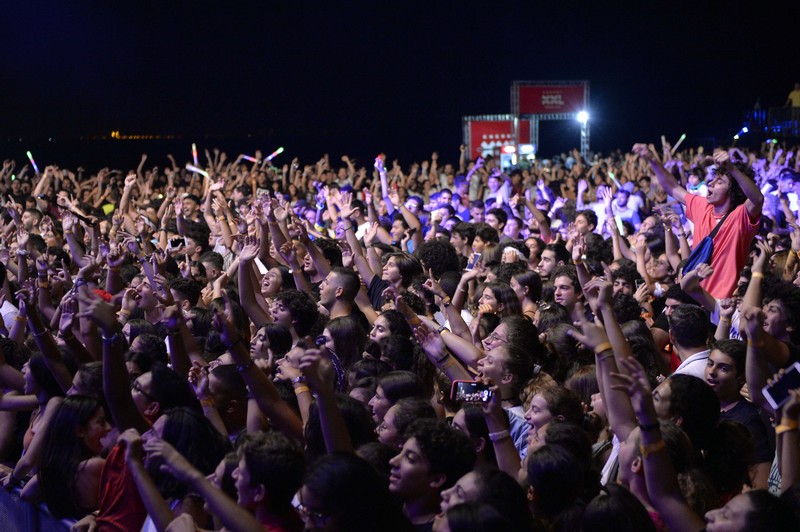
121	507
731	244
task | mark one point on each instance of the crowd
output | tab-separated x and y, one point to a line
254	347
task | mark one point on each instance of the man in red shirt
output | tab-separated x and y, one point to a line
731	189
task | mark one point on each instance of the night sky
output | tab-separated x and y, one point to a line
362	78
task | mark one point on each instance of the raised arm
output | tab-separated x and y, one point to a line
690	283
659	473
609	346
755	199
665	179
265	393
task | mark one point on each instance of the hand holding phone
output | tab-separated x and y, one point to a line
777	392
470	392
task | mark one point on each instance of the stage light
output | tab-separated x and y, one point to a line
583	117
736	137
744	129
526	149
509	149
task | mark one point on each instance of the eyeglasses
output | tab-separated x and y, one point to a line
137	386
307	514
494	337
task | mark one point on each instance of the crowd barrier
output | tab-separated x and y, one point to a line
18	515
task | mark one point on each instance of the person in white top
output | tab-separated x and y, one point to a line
688	332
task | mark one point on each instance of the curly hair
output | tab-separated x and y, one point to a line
302	308
448	450
439	256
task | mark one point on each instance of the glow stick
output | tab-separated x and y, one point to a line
248	158
675	147
194	153
35	168
196	170
275	153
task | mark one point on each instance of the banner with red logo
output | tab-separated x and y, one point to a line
544	99
487	137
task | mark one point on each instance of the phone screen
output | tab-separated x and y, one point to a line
473	261
470	392
777	393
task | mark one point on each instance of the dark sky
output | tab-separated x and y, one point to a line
363	77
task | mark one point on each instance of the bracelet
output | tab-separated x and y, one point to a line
724	318
603	356
757	275
499	436
241	368
301	389
20	318
441	329
789	422
110	339
577	262
649	428
605	346
207	402
348	228
647	450
113	268
39	334
66	233
125	312
221	218
300	379
780	429
450	362
43	284
238	340
447	301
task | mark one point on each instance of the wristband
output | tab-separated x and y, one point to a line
603	356
780	429
446	301
207	402
789	422
441	329
499	436
110	339
649	428
21	318
301	389
605	346
647	450
300	379
238	340
125	312
757	275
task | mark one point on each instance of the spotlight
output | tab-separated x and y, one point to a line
583	117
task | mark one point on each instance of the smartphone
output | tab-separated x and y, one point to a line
639	283
473	261
176	243
470	392
777	393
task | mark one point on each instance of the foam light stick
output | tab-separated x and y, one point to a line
275	153
194	153
249	158
675	147
196	170
35	168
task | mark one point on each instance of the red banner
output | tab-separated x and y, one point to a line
489	136
544	99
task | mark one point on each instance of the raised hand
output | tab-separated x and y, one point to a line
762	260
727	307
250	250
704	271
592	334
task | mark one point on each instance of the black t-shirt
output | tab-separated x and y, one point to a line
748	415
